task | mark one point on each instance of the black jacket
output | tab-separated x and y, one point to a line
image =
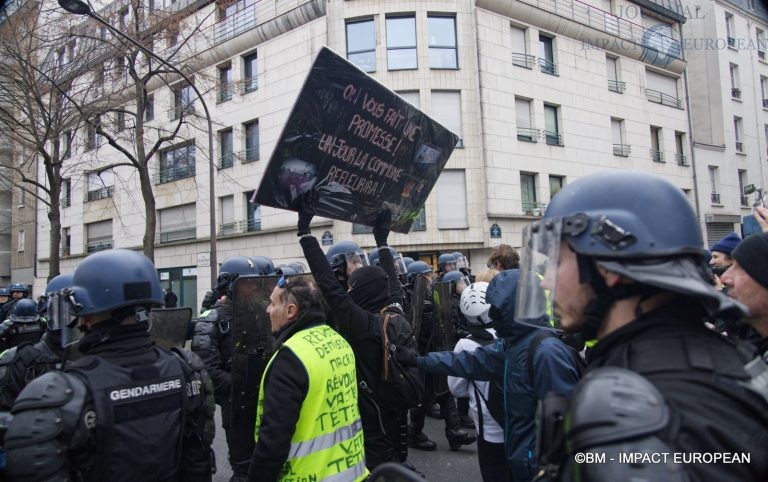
698	372
212	342
22	364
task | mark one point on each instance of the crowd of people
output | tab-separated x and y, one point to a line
611	332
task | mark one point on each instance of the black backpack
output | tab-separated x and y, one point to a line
399	387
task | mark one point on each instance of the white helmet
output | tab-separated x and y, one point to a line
473	304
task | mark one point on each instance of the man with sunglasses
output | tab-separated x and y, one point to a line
308	425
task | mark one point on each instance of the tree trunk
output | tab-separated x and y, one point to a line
54	215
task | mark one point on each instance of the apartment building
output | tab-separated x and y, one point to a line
539	92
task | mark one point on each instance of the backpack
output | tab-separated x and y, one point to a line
399	387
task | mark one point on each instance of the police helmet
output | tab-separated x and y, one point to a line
263	266
373	258
4	291
461	260
58	283
344	252
473	305
25	311
455	278
20	287
407	260
108	280
231	269
416	268
445	261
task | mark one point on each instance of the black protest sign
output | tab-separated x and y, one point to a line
359	145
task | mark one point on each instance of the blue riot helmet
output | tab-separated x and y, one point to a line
373	258
345	257
458	279
461	260
263	266
57	284
634	224
418	268
25	311
446	262
286	270
19	288
407	260
4	293
26	322
230	270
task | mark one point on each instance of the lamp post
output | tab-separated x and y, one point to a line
78	7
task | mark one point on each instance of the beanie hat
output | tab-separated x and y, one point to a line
369	288
752	256
727	244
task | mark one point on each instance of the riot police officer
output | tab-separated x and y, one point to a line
18	291
345	257
212	338
126	410
26	361
446	263
5	295
24	324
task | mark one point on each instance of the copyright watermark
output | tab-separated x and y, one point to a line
663	457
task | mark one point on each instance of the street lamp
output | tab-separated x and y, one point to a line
78	7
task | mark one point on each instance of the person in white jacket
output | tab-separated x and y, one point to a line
490	440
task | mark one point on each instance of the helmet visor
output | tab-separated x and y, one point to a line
539	259
61	316
355	260
399	265
461	262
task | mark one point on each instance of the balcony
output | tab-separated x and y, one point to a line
622	150
714	198
657	156
262	12
534	208
249	84
663	99
523	60
681	160
226	161
744	201
177	235
553	138
239	227
225	92
98	246
548	67
617	86
527	134
248	155
736	93
174	173
739	146
96	194
731	43
176	112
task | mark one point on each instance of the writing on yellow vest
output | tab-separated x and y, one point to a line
327	444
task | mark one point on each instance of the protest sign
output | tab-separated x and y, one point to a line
359	145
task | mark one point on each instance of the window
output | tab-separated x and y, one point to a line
765	129
547	55
738	132
226	155
551	126
735	90
525	130
730	29
178	223
420	223
251	141
662	89
751	4
528	193
714	183
451	200
101	185
227	215
764	90
411	96
446	109
250	72
178	162
120	121
252	212
760	40
612	71
401	43
98	73
743	182
361	44
123	18
93	139
66	193
520	55
620	146
22	196
172	36
183	101
21	241
442	42
66	242
680	149
149	108
656	154
66	144
99	236
555	184
225	83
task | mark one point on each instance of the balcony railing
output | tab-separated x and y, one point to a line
681	160
248	155
714	198
744	201
739	146
527	134
622	150
534	208
662	98
553	138
252	16
736	93
765	103
177	235
617	86
523	60
96	194
657	156
249	84
174	174
239	227
226	161
98	246
732	42
548	66
225	92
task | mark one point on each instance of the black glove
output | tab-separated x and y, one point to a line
381	229
306	208
406	358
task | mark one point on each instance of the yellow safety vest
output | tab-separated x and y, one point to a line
327	444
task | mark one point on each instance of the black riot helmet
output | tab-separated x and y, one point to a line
230	270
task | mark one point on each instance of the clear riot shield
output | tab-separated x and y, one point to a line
169	326
416	309
443	330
